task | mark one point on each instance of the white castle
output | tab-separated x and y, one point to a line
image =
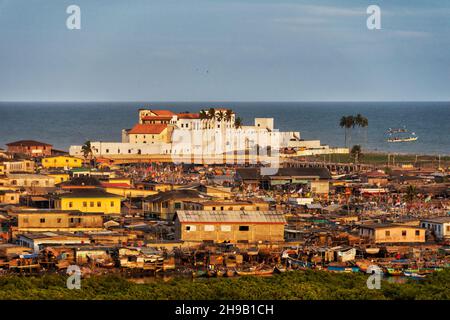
212	135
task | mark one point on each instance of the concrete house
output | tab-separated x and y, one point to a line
232	226
392	233
440	226
30	147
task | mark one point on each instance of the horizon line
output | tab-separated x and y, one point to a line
219	101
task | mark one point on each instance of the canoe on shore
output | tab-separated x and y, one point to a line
230	273
279	268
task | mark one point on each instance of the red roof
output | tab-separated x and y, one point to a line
163	112
156	118
188	115
31	143
115	185
148	128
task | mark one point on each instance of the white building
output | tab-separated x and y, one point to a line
211	134
440	226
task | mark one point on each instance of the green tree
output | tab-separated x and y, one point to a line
238	123
87	151
356	153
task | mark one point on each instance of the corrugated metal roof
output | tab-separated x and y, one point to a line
187	216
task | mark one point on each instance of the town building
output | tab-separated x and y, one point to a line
65	162
91	200
212	136
38	240
27	180
9	197
227	205
18	166
43	220
392	233
229	226
30	148
317	180
164	204
440	226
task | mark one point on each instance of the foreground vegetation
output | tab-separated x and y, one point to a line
291	285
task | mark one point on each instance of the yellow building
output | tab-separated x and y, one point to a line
149	133
392	233
232	226
89	200
62	162
43	220
59	176
2	169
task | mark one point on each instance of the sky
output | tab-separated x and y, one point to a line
224	50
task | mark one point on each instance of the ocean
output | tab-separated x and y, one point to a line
70	123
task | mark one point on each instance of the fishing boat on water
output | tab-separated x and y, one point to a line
400	135
342	269
414	275
397	130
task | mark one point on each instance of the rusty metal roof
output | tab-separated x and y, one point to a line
266	217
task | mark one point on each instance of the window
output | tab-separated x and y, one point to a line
71	220
417	233
84	204
404	233
225	228
70	204
257	208
42	220
221	208
214	208
112	203
99	204
92	204
448	228
58	220
244	228
387	233
191	228
209	227
25	220
177	205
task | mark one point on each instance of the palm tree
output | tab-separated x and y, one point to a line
238	122
211	113
203	114
347	122
87	151
211	116
356	153
228	115
411	193
220	116
362	122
